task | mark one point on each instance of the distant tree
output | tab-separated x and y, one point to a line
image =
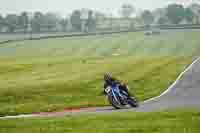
37	22
64	23
1	22
111	21
76	20
175	13
159	12
147	17
11	20
23	21
189	15
91	22
195	8
162	20
160	16
50	21
99	16
127	10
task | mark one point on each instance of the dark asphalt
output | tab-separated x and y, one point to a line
184	93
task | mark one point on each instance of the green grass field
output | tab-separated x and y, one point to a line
53	74
129	122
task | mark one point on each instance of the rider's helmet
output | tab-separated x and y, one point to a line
108	77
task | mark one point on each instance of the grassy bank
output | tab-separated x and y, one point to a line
53	74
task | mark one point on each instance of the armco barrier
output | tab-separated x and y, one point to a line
141	28
67	35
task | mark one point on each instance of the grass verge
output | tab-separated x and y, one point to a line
53	74
130	122
28	88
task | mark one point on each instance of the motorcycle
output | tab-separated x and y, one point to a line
119	99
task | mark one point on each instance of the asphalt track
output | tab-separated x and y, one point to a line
184	92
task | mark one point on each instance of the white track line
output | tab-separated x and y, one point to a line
177	80
154	98
18	116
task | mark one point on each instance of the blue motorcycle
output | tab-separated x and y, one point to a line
119	98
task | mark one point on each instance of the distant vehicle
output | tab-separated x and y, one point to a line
153	32
120	100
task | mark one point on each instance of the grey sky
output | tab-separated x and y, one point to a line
66	6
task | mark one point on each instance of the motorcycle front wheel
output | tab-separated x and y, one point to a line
132	102
113	102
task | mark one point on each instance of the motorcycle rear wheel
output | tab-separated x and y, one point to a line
132	102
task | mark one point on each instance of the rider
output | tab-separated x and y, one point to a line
110	80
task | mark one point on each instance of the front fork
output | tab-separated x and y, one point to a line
119	100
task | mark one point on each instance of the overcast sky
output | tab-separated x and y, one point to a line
66	6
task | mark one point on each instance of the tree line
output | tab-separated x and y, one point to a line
87	20
172	14
38	22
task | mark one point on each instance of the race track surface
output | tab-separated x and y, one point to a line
184	92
